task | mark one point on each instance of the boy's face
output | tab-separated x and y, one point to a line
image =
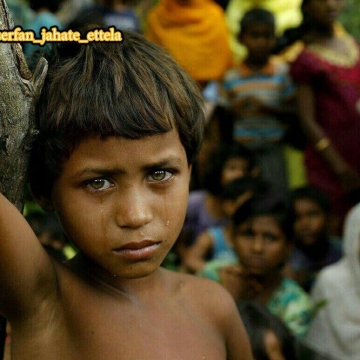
261	245
259	39
310	221
123	202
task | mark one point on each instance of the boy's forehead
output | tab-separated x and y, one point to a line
112	149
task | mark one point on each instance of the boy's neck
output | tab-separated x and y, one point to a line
255	64
131	289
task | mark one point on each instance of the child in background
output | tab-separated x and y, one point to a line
327	73
259	92
218	130
118	13
215	243
270	339
44	17
227	163
335	330
314	248
101	104
262	240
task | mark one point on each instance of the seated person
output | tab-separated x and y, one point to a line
215	243
228	162
335	330
314	247
262	239
270	339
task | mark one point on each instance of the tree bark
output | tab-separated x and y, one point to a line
18	92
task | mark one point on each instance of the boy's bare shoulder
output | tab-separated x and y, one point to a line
204	296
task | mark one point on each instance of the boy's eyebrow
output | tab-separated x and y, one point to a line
172	161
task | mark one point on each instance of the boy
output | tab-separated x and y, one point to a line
258	91
314	248
119	128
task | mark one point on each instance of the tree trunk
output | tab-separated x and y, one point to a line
18	91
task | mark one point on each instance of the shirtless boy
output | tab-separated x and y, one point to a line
120	125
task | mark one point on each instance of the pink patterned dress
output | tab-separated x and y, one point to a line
335	79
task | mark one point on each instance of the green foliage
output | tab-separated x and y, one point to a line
351	18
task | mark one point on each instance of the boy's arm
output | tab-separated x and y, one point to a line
27	274
237	341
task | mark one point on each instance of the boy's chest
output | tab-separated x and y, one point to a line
113	331
94	328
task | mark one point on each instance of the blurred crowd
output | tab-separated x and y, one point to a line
272	212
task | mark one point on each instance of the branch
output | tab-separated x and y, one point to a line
19	90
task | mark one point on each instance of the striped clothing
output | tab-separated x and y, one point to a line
271	85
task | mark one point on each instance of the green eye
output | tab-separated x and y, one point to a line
160	175
99	184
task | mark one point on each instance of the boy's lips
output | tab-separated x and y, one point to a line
137	250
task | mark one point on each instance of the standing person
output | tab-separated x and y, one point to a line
195	33
327	73
335	330
259	92
119	127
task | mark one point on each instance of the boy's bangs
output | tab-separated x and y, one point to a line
109	98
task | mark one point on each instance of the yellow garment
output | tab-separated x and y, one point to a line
195	34
287	14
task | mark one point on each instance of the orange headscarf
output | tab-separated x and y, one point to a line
194	32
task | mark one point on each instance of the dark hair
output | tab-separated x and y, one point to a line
258	321
212	178
224	118
313	194
52	5
256	16
292	35
238	187
130	89
256	207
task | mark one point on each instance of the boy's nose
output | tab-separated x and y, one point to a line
133	210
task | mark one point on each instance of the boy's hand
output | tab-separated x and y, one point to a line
240	284
248	106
